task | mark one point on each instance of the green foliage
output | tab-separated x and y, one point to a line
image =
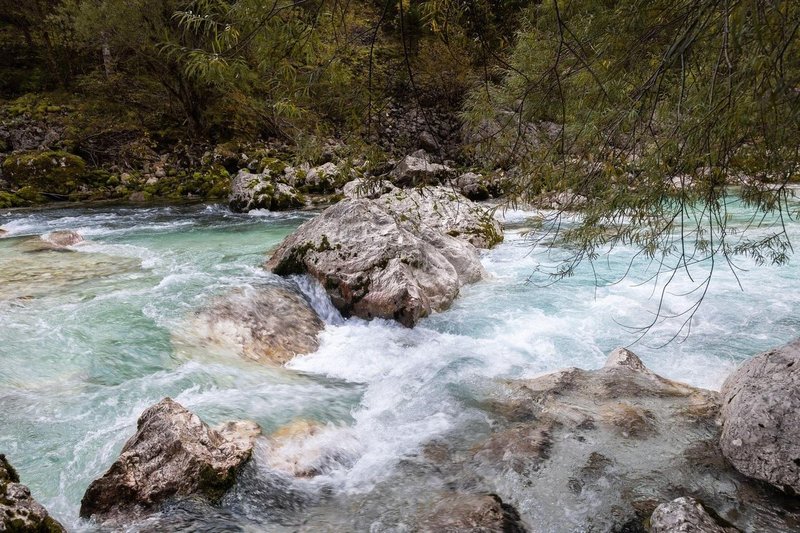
52	172
650	110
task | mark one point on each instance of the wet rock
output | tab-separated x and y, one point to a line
3	232
62	239
269	324
172	454
367	188
416	169
761	417
305	449
479	513
260	191
19	512
610	440
380	259
684	515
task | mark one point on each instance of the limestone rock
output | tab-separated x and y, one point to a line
365	188
19	512
62	239
172	454
445	211
479	513
608	439
259	191
472	186
416	169
269	324
684	515
380	259
761	417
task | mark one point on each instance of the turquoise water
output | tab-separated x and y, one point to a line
93	336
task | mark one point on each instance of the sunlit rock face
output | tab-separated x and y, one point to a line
172	454
761	414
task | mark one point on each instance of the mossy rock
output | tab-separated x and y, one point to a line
49	171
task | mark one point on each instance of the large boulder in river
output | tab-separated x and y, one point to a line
172	454
260	191
270	324
394	257
19	512
684	515
761	417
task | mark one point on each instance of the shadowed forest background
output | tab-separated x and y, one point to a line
645	111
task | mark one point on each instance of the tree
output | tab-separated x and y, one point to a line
648	112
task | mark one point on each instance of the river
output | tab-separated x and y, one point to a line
92	336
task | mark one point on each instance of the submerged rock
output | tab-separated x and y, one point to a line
482	513
684	515
416	169
395	257
611	443
269	324
761	417
172	454
19	512
62	239
260	191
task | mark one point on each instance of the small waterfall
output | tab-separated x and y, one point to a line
318	299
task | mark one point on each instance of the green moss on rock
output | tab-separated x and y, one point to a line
49	171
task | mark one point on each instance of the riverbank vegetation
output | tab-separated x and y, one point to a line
642	112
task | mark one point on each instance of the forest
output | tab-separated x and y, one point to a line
399	265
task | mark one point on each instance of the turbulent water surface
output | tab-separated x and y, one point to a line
92	336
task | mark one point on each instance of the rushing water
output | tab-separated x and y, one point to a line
91	337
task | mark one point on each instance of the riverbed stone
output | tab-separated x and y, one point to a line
617	440
19	512
685	515
444	211
172	454
270	324
761	417
383	259
63	238
479	513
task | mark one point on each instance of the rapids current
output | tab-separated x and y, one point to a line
87	342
